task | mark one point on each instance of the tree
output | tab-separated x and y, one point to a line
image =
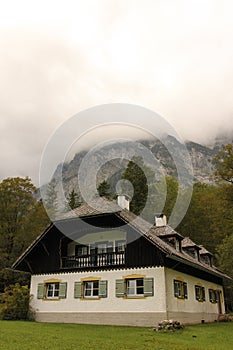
51	200
223	162
225	263
22	218
104	189
73	200
137	174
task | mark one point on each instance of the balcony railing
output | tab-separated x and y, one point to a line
94	260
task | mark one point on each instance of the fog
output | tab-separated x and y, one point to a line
57	59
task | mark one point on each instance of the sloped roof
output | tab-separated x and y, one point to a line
95	207
204	251
152	233
188	243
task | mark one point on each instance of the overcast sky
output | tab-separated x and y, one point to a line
58	58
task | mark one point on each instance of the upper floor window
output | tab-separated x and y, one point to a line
81	250
120	246
200	293
180	289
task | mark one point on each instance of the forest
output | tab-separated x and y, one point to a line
208	220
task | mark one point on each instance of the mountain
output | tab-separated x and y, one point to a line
109	163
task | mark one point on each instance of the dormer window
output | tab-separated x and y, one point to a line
191	248
205	256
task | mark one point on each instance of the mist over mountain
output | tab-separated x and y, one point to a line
111	170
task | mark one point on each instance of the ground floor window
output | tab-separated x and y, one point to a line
51	290
134	287
91	289
213	296
200	293
180	289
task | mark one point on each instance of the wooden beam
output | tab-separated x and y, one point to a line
45	248
29	266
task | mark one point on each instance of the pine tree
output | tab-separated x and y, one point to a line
73	200
103	189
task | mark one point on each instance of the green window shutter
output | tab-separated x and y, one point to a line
40	291
120	288
62	290
185	290
203	293
148	287
78	289
103	289
197	292
176	291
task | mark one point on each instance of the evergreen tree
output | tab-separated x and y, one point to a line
73	200
104	189
135	173
51	200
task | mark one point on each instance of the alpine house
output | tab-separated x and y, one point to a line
108	266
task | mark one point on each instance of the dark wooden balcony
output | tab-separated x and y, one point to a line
93	260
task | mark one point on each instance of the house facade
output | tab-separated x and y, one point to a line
111	267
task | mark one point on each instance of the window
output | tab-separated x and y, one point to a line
200	293
90	289
213	296
134	287
51	290
180	289
120	246
81	250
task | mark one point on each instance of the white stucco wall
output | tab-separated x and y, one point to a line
191	305
155	303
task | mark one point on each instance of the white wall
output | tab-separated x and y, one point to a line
191	305
111	303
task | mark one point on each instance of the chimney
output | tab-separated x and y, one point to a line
123	201
160	220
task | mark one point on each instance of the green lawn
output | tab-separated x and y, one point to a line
31	335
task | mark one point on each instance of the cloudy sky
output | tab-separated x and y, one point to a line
58	58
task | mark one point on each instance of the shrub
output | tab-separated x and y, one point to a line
15	303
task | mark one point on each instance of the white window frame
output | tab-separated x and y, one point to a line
135	287
54	290
91	288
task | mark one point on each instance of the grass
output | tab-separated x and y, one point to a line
18	335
